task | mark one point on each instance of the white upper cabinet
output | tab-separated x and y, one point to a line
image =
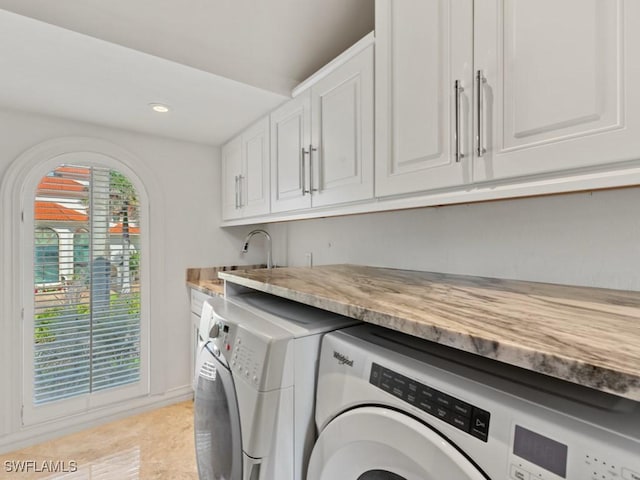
290	140
322	140
254	184
423	94
231	159
342	133
245	173
561	85
544	87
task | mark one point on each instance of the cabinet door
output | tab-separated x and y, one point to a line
231	158
342	133
290	141
562	83
422	48
254	184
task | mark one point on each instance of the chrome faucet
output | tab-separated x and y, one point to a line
245	246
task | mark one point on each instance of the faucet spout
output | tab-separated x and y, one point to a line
250	235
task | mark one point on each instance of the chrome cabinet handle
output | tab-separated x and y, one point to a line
480	81
240	178
303	173
236	193
458	137
311	150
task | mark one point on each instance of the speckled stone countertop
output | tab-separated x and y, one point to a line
588	336
206	279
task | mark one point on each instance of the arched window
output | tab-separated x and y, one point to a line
87	324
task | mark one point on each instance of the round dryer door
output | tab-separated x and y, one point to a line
376	443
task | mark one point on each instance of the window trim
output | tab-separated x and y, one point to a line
17	193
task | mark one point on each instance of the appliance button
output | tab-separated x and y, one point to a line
427	393
386	380
519	474
411	398
426	405
376	371
461	408
214	331
480	424
630	475
399	386
444	400
443	413
460	422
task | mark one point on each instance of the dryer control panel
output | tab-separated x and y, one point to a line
460	414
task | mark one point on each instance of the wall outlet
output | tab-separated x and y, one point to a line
308	259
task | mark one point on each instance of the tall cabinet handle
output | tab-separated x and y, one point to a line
303	172
236	188
480	81
458	136
240	178
311	150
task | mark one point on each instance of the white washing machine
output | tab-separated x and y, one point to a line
394	407
255	389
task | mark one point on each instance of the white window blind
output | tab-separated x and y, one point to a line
86	283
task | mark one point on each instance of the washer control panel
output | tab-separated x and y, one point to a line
247	358
460	414
244	353
537	456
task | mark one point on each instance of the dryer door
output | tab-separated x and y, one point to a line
376	443
217	421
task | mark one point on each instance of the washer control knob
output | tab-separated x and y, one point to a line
214	332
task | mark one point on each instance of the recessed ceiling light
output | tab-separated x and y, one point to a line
159	107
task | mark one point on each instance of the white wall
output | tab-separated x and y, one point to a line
590	239
186	213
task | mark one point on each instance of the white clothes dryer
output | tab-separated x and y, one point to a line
394	407
255	389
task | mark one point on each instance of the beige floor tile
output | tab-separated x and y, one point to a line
150	446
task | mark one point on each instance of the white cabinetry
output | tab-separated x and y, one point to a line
290	140
245	173
322	140
423	47
548	86
561	87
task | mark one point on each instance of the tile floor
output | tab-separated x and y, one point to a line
156	445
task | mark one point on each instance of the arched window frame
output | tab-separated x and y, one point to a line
16	300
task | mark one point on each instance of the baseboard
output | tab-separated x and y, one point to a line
34	434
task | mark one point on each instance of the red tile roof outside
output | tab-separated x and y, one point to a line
74	170
117	228
54	212
61	184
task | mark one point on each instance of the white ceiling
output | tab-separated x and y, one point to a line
220	64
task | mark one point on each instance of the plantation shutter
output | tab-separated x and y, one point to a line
86	283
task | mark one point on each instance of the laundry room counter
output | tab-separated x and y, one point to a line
206	279
589	336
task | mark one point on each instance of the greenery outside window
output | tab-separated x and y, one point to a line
87	322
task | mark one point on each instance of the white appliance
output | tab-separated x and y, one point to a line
394	407
255	390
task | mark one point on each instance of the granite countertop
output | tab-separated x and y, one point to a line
206	279
588	336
